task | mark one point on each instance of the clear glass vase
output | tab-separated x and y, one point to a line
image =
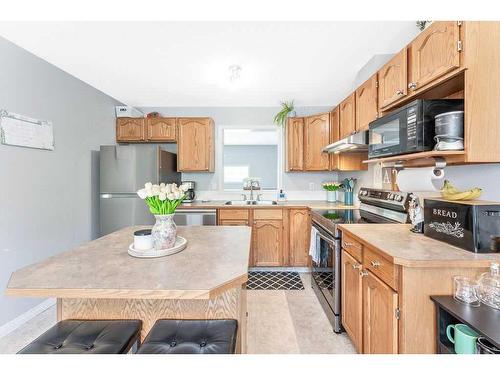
331	196
164	232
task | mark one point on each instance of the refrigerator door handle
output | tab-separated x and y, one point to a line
118	195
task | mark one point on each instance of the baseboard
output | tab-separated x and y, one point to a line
25	317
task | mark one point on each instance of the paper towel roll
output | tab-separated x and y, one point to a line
420	179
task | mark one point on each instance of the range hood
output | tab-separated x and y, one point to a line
354	143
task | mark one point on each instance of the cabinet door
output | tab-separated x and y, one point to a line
334	136
295	144
161	129
130	129
317	137
300	233
267	243
392	80
195	145
352	300
434	53
348	116
366	103
233	223
380	330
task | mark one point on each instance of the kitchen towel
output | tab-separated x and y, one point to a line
314	249
420	179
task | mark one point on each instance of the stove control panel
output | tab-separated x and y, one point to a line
383	197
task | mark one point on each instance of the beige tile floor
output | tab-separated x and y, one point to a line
279	322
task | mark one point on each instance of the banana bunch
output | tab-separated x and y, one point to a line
449	192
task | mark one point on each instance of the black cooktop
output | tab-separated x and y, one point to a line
349	216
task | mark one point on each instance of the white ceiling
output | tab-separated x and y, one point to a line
186	63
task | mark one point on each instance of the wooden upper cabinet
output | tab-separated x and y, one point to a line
380	324
295	144
392	80
348	116
161	129
434	53
130	129
267	244
352	300
195	145
334	136
366	103
299	229
316	137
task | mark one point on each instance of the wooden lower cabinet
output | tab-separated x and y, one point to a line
299	237
267	243
380	321
352	300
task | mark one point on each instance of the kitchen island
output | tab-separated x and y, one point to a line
99	280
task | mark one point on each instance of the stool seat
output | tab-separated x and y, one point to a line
87	337
170	336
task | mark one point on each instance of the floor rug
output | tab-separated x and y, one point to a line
274	280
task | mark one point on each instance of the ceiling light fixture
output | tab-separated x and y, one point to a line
234	73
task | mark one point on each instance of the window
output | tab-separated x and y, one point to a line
250	152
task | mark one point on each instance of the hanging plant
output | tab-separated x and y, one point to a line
281	116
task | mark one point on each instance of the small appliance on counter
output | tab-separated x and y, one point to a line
416	213
470	225
408	129
449	129
190	195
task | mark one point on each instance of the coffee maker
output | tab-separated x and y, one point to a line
190	196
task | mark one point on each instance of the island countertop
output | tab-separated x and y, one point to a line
215	260
415	250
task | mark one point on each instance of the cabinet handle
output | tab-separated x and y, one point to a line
356	266
375	263
349	244
399	92
412	85
363	273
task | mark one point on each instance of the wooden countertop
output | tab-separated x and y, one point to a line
215	260
415	250
312	204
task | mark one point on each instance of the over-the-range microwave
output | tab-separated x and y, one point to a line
408	129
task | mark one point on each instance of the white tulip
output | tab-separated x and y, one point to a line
148	185
183	187
162	196
170	196
156	190
162	185
142	193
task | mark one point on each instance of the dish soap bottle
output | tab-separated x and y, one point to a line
281	196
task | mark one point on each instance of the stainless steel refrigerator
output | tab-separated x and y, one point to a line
124	169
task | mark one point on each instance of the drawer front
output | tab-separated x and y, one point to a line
273	214
233	214
381	267
353	247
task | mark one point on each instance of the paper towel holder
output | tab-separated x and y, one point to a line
439	165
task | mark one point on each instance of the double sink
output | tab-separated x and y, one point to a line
250	203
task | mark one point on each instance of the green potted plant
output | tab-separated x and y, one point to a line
331	188
287	108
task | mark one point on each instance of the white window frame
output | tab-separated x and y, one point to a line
220	154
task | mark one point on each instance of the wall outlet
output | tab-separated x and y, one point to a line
312	186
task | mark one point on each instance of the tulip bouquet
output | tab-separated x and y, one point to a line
331	186
162	199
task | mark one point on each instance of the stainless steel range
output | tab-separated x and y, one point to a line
377	206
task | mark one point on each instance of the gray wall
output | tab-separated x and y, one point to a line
245	116
48	198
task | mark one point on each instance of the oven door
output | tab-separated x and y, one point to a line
326	272
387	135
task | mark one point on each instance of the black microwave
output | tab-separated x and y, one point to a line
408	129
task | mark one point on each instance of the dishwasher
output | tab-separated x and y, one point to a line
193	216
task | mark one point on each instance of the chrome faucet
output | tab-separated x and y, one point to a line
253	185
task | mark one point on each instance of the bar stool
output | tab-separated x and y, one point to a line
169	336
87	337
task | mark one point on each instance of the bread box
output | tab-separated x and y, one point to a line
470	225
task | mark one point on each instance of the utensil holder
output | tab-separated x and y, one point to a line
348	198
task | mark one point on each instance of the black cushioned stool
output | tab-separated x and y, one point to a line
87	337
191	337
